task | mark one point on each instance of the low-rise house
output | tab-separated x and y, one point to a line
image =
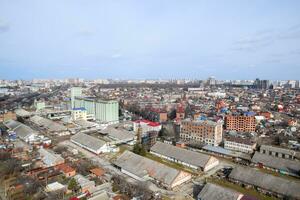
265	183
285	166
90	143
52	187
185	157
245	145
49	158
213	192
98	172
66	170
85	184
142	169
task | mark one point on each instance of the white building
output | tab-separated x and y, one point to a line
90	143
146	126
239	144
79	114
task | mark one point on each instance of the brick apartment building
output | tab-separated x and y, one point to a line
205	131
240	123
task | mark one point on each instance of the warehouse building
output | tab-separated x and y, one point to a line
213	192
277	152
285	166
185	157
141	168
266	183
90	143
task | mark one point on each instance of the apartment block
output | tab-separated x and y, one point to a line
240	123
205	131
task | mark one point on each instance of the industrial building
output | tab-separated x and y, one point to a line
141	168
105	111
266	183
284	166
213	192
185	157
245	145
205	131
90	143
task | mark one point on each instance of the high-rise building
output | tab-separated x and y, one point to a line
75	92
205	131
106	111
262	84
240	123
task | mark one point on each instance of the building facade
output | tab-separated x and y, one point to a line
106	111
239	144
240	123
75	92
204	131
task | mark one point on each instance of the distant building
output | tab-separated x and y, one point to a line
262	84
75	92
240	123
106	111
204	131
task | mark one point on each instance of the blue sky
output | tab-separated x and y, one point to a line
229	39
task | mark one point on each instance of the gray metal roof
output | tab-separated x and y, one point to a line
118	134
266	181
277	149
49	157
12	124
214	192
24	131
88	141
291	166
190	157
22	113
141	167
48	124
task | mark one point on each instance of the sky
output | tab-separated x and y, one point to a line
150	39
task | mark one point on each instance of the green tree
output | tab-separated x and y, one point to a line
73	185
139	149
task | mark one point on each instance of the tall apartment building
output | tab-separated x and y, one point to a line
205	131
75	92
240	123
106	111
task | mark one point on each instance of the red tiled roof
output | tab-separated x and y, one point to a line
149	123
65	168
97	171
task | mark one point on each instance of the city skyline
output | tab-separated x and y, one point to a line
149	40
